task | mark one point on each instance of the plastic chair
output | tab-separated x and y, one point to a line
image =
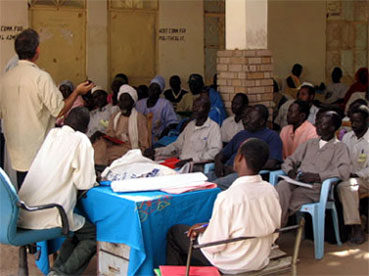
11	234
208	167
317	212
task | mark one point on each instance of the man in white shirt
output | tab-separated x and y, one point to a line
233	124
236	213
63	165
306	93
29	104
357	142
199	141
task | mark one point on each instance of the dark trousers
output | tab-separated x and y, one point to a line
20	178
177	248
76	251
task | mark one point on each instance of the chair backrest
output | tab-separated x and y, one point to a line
325	191
8	209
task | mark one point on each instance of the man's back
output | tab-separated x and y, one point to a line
29	99
237	213
63	165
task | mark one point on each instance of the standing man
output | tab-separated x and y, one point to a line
29	104
357	142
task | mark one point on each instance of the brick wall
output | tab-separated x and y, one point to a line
246	71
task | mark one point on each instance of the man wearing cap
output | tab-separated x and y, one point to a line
164	117
101	112
123	128
306	93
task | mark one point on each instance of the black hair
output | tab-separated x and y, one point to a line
362	109
197	80
205	99
256	153
297	69
244	97
122	77
263	111
175	77
355	104
142	91
333	114
78	119
26	44
304	107
336	74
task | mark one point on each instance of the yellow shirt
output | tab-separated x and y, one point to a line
29	104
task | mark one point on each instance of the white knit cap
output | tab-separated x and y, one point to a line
125	88
305	84
93	90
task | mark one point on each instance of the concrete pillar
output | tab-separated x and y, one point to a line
13	20
97	43
246	65
246	24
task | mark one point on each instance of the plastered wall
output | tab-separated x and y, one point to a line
11	23
180	39
297	34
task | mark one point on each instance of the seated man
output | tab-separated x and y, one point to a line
233	124
196	84
164	117
63	165
306	93
254	121
299	129
175	93
357	142
101	111
200	140
313	162
128	126
236	213
292	82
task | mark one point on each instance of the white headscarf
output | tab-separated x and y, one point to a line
132	120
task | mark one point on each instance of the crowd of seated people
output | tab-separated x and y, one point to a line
131	118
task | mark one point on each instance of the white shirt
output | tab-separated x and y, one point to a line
249	207
63	165
359	153
29	104
99	119
230	128
281	118
200	143
337	91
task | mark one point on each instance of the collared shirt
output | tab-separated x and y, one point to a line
359	153
332	160
163	115
292	139
337	91
99	118
63	165
29	104
230	128
269	136
200	143
249	207
281	118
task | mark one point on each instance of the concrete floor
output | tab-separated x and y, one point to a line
338	260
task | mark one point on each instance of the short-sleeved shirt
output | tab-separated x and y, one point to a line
230	128
29	104
269	136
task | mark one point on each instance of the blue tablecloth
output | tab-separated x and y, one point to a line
142	220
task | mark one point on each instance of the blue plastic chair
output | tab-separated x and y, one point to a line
11	234
317	212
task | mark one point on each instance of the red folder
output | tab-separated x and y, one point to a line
170	162
172	270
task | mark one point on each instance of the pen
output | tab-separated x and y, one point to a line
199	227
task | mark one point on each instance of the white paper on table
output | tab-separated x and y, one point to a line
158	182
293	181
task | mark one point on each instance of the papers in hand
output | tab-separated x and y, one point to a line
293	181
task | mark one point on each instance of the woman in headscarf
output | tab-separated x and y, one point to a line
122	133
164	117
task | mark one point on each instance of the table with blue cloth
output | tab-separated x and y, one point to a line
141	220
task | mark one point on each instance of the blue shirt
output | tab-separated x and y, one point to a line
217	111
269	136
